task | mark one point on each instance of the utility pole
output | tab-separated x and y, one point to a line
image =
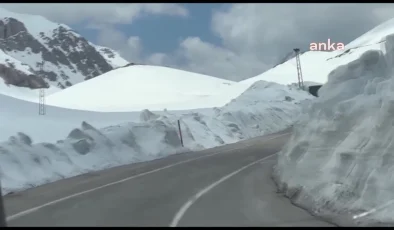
41	101
299	72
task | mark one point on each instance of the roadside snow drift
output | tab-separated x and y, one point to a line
263	108
339	162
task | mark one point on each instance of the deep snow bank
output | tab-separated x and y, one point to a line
263	108
339	162
86	149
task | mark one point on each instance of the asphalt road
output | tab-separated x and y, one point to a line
224	186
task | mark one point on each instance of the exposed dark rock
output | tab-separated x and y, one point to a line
15	77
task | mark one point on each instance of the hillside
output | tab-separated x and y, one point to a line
67	58
316	65
139	87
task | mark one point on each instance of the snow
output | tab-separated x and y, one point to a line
20	92
69	142
24	93
35	24
31	59
115	61
376	35
55	125
317	65
44	30
339	162
6	59
139	87
314	68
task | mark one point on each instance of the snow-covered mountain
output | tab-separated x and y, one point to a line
28	42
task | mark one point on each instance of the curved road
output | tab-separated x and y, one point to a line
224	186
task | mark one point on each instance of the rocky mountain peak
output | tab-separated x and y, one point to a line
57	55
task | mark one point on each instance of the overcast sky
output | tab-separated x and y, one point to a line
232	41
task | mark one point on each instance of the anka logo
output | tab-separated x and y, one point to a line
322	46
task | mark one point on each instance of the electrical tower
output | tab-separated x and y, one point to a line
41	103
299	72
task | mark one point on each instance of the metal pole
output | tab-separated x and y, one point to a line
299	71
41	110
3	222
180	132
41	102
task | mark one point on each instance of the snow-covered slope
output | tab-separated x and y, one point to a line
287	57
30	40
316	65
112	57
139	87
56	145
22	116
24	93
339	162
314	68
376	35
14	71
